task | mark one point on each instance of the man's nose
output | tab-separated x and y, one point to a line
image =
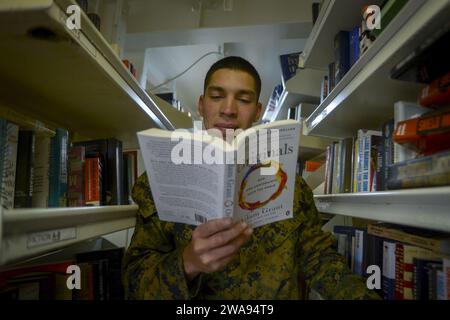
229	107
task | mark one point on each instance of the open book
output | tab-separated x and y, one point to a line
196	176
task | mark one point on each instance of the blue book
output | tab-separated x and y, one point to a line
289	65
388	273
341	55
354	45
58	169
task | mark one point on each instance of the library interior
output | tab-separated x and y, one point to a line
353	94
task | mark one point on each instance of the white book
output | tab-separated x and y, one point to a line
41	173
8	159
196	177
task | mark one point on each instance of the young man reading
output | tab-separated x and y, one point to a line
225	260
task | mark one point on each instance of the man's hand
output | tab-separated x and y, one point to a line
213	245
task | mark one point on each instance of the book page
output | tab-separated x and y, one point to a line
263	198
190	193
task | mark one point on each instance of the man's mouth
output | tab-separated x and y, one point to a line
223	127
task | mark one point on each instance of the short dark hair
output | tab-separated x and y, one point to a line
234	63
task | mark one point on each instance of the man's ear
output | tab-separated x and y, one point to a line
258	111
200	105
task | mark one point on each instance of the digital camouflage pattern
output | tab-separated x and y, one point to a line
280	261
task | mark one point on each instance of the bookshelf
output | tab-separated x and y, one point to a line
423	207
28	233
364	98
74	80
73	77
290	99
334	15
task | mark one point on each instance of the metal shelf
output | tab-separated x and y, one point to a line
71	78
28	233
365	97
335	15
423	207
291	99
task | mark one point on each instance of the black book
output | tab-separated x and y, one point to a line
24	170
426	63
107	272
111	157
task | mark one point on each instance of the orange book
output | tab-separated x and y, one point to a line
427	134
437	93
312	165
92	181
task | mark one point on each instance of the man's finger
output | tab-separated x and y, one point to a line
213	226
228	249
221	238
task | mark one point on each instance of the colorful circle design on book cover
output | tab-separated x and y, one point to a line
281	177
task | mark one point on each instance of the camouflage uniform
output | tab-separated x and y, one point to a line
280	261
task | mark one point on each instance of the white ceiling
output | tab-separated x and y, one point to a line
164	37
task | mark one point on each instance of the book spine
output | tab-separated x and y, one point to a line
229	191
24	170
354	45
331	77
58	169
341	55
434	171
41	172
75	189
399	271
92	182
114	173
388	273
8	160
359	252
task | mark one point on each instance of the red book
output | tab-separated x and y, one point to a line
427	134
93	181
437	93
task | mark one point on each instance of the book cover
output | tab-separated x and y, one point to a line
289	65
9	136
220	179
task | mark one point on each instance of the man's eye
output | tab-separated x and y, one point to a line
216	97
245	100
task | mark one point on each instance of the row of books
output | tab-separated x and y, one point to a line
40	171
350	45
414	263
99	278
411	150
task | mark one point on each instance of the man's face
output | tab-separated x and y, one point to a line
229	101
